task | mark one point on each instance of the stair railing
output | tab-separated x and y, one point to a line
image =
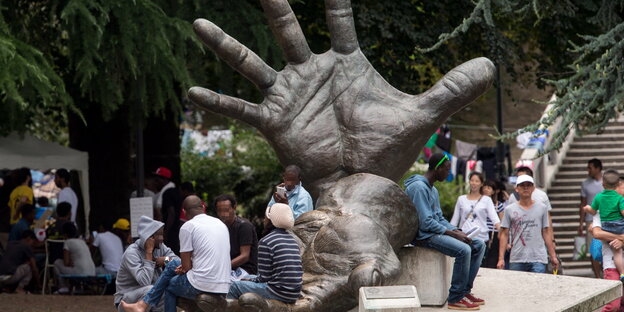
547	166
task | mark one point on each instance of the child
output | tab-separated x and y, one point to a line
609	204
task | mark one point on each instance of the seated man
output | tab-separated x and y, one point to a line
295	195
28	216
142	263
243	238
111	249
279	265
19	261
203	239
437	233
121	228
76	257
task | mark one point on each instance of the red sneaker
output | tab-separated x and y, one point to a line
475	300
463	304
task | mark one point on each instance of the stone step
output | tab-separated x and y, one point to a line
556	212
580	272
617	165
597	153
564	189
555	203
565	234
564	248
605	136
580	175
571	217
565	226
583	160
567	182
565	196
597	144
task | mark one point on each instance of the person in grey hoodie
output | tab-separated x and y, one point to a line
142	263
437	233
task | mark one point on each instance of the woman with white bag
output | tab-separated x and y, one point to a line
473	210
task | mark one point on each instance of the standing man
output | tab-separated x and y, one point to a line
61	179
526	223
168	201
589	189
295	196
243	238
437	233
204	240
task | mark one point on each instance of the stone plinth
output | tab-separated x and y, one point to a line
429	271
388	299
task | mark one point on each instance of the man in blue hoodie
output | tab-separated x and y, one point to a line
436	232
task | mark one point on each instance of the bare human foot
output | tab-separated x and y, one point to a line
140	306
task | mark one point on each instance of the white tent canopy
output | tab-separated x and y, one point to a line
27	151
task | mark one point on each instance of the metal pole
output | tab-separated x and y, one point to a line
140	172
500	152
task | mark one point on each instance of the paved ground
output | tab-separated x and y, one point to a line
39	303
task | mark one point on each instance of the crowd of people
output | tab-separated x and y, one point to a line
182	251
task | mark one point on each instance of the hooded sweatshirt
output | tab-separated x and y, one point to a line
427	201
136	272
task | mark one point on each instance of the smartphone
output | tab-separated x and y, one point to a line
281	190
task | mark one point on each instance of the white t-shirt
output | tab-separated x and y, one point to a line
209	241
537	195
111	249
483	209
607	254
68	195
80	256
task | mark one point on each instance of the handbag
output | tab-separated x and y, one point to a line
468	224
580	248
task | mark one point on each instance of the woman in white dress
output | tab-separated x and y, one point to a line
474	209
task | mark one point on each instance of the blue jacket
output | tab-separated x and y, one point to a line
426	199
299	201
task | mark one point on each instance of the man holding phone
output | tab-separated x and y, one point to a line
292	193
437	233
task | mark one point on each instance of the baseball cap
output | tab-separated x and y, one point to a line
524	178
163	172
122	224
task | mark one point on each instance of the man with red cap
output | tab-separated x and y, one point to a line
167	204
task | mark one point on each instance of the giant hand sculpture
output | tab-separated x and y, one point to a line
332	114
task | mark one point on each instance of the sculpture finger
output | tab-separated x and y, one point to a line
462	85
226	105
235	54
339	17
286	29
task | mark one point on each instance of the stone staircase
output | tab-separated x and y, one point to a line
564	192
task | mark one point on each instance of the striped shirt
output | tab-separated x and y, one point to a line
499	208
279	265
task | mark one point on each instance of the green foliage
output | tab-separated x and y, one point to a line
246	167
29	84
590	91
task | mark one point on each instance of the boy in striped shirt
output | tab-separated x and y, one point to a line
279	261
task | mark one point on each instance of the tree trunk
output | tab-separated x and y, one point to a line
111	148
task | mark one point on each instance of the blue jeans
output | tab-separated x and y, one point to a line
238	288
534	267
467	261
171	286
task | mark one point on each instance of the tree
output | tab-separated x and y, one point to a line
591	88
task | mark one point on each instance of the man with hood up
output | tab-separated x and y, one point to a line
437	233
142	263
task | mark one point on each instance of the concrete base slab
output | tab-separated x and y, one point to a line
519	291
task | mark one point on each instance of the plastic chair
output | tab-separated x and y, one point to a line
48	266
